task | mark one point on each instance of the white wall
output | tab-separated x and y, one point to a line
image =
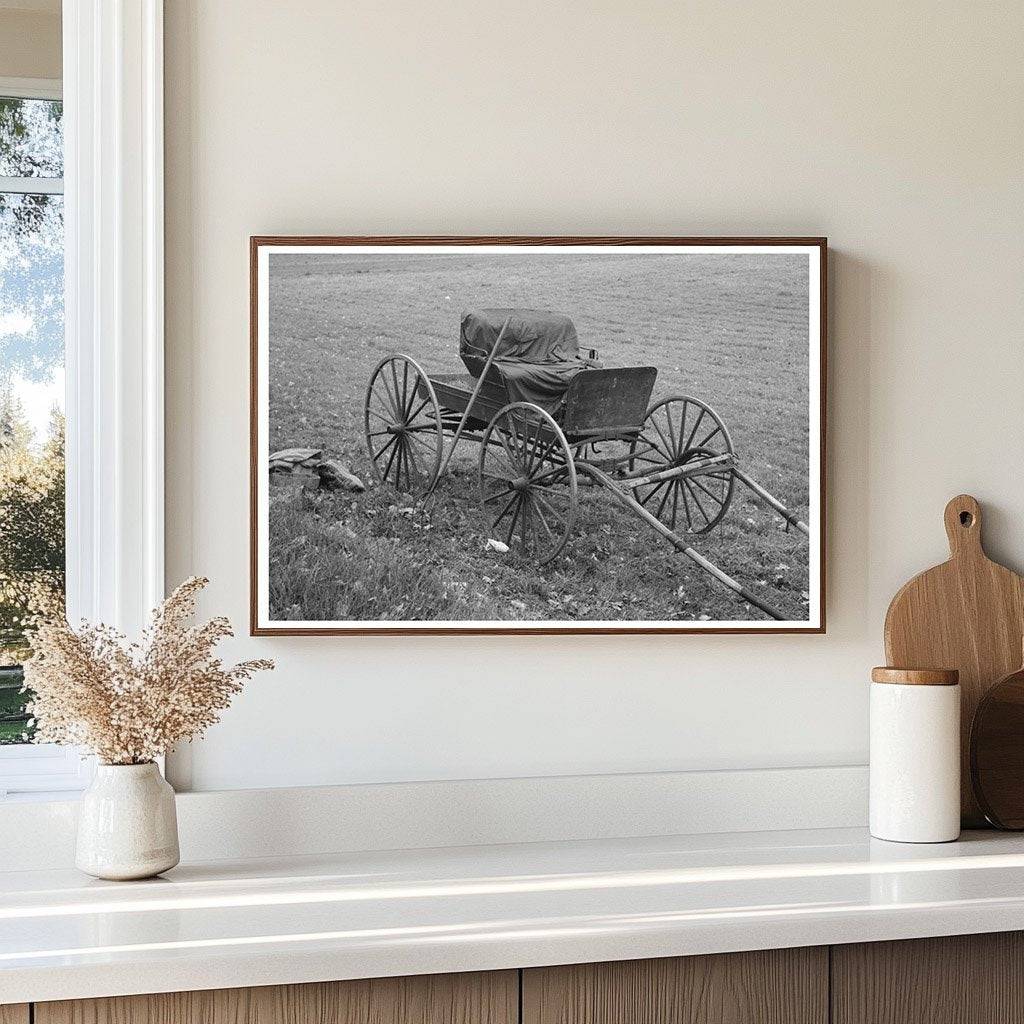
895	129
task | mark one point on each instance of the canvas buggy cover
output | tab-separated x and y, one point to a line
538	357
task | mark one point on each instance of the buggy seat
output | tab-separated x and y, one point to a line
538	358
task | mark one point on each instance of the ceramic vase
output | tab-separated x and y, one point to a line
127	825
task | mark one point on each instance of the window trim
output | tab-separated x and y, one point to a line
112	89
114	315
43	769
32	88
47	89
32	186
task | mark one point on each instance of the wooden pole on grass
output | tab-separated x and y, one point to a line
469	405
773	501
708	566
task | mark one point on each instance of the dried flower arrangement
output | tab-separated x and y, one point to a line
129	703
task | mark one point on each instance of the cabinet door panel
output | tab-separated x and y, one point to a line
778	986
483	998
14	1013
961	979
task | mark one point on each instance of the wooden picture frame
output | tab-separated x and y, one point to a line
815	249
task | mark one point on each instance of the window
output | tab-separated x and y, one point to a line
92	172
32	514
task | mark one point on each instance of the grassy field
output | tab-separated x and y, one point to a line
731	330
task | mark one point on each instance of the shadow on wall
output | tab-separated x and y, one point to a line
854	287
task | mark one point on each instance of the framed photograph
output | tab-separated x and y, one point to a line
537	435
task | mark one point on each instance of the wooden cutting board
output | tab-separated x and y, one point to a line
967	614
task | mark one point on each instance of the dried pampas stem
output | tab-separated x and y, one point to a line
129	703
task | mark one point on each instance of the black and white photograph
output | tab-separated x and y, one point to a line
572	435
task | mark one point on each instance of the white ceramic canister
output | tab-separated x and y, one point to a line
915	755
127	825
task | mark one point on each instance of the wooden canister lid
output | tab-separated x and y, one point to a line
916	676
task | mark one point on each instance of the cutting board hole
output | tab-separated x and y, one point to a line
966	519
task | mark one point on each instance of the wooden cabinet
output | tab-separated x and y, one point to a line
777	986
971	979
963	979
490	998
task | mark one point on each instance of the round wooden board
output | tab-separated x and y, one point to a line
997	753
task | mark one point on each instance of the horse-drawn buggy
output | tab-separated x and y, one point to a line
549	418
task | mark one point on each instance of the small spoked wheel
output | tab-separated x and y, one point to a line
528	481
402	416
678	431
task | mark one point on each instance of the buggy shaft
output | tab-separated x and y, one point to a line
656	524
773	501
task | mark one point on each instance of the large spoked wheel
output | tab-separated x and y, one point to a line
678	431
528	481
402	416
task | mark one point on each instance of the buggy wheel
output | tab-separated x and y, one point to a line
528	481
402	418
676	431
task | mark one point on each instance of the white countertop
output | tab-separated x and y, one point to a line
261	922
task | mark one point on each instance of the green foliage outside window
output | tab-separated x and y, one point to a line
31	357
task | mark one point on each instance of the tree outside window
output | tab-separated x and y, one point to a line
31	387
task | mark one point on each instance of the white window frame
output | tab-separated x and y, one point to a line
32	88
114	325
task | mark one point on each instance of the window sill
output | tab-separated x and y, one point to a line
44	771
